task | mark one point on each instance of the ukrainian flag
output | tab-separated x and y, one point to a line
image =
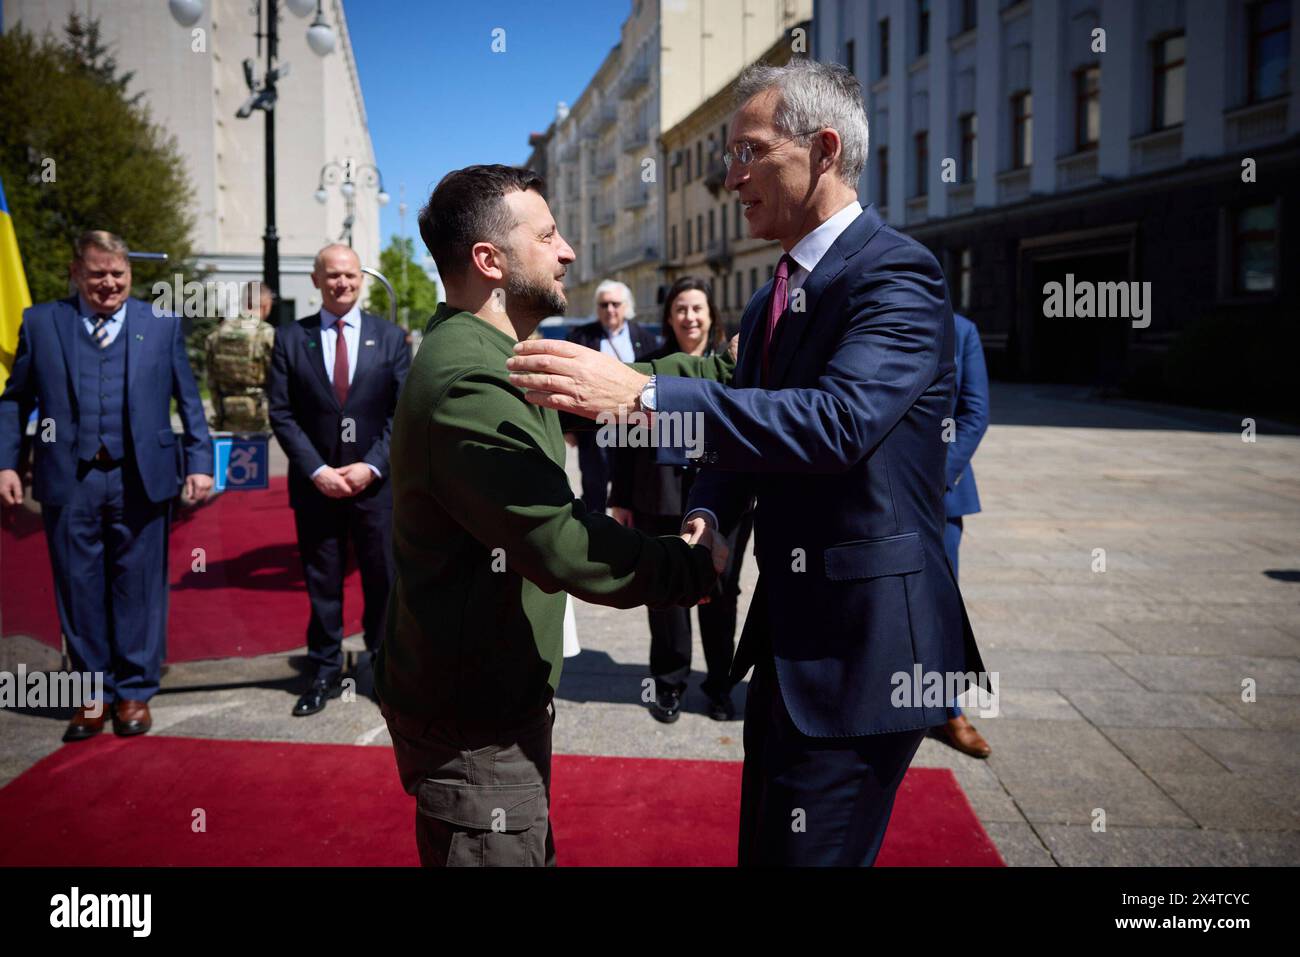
14	295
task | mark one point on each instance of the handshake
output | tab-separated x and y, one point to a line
696	530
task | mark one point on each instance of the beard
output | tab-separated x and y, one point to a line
534	297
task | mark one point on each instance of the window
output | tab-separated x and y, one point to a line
723	231
848	55
753	281
738	218
968	14
1022	129
922	171
770	271
884	47
1268	57
712	235
699	157
1087	108
967	126
672	242
922	27
725	291
672	177
1169	89
963	280
1254	250
689	238
882	182
740	289
699	232
688	165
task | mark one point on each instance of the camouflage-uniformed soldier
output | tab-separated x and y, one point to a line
239	361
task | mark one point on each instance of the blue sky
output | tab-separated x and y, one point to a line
438	98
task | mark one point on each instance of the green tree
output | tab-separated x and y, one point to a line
77	153
417	294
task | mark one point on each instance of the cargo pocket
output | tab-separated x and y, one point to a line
490	825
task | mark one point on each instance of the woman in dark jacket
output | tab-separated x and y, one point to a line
652	497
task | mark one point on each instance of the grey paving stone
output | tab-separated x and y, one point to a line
1024	668
1165	847
1151	709
1252	800
1276	712
1222	674
1165	750
1052	634
1246	750
1164	638
1019	845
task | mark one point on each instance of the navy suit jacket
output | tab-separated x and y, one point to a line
971	414
311	426
592	334
44	376
845	453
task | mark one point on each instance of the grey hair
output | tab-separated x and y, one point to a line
99	239
609	284
814	96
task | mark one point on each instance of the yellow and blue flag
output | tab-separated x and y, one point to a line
14	295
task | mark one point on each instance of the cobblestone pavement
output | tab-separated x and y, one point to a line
1124	692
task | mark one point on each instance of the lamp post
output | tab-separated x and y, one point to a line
262	96
349	174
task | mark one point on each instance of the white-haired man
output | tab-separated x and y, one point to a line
616	333
834	419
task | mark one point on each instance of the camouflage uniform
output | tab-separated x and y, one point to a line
239	361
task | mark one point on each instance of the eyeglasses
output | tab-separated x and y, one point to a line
609	305
744	152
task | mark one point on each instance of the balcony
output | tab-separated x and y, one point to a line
1157	150
569	152
1013	185
634	78
961	199
717	253
630	253
636	194
917	210
606	166
716	178
607	115
1076	170
1257	123
634	137
603	215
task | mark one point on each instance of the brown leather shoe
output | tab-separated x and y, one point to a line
131	717
87	722
961	734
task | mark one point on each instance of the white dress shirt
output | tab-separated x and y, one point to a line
807	253
329	338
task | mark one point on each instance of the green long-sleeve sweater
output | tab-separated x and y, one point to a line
488	537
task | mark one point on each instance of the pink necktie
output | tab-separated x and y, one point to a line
775	308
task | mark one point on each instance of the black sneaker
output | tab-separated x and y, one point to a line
667	707
721	708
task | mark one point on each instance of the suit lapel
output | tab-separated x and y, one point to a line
312	345
367	345
66	320
751	341
135	327
794	326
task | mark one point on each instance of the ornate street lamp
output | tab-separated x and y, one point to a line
349	174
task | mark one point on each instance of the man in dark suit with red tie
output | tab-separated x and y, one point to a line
335	376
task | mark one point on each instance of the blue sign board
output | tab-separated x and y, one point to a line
242	462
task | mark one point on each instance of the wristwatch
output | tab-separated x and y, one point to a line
648	395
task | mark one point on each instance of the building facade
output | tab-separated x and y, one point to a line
1025	141
610	168
193	81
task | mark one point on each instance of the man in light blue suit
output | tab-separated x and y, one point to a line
971	421
834	421
102	368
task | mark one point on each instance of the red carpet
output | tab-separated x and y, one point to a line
273	804
249	601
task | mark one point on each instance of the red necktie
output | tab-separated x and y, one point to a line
775	308
341	363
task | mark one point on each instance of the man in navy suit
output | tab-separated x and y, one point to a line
102	368
970	422
333	387
614	332
834	418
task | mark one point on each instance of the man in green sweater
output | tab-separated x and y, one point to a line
488	537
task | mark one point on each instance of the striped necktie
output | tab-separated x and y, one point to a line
100	332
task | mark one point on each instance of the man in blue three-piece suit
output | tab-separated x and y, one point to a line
834	420
102	368
971	420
